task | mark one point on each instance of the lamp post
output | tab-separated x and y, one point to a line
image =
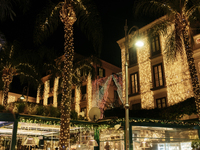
25	89
139	44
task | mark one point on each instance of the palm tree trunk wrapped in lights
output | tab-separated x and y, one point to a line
68	18
192	69
7	79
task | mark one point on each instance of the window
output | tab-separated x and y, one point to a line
83	89
50	100
161	102
158	75
83	92
41	101
101	72
132	55
51	84
134	83
73	95
136	106
155	45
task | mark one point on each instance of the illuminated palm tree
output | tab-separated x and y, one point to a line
11	65
84	13
180	14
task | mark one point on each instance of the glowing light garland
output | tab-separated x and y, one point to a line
118	82
123	72
55	89
99	96
89	94
177	76
46	91
77	99
38	94
143	54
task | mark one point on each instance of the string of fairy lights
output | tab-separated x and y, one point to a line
145	76
89	94
178	80
46	91
68	17
55	92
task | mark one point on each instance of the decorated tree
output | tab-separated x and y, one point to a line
12	64
85	14
180	14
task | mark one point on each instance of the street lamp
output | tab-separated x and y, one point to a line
25	89
138	44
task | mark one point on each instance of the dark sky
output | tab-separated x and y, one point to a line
113	15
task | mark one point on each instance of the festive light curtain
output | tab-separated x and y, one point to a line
117	78
100	90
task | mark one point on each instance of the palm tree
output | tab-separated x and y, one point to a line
7	8
11	65
180	14
84	13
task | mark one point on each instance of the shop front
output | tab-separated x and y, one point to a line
149	134
42	133
25	132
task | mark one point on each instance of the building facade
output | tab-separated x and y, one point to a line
154	80
84	97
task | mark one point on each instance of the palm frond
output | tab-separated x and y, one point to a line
195	6
6	10
159	27
154	7
46	22
171	47
89	21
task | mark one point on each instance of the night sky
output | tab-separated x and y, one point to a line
113	15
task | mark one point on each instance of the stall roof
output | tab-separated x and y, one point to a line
9	117
152	122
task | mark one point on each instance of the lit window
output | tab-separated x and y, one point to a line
134	83
158	75
161	102
50	100
101	72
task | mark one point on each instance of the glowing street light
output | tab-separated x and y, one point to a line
139	43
